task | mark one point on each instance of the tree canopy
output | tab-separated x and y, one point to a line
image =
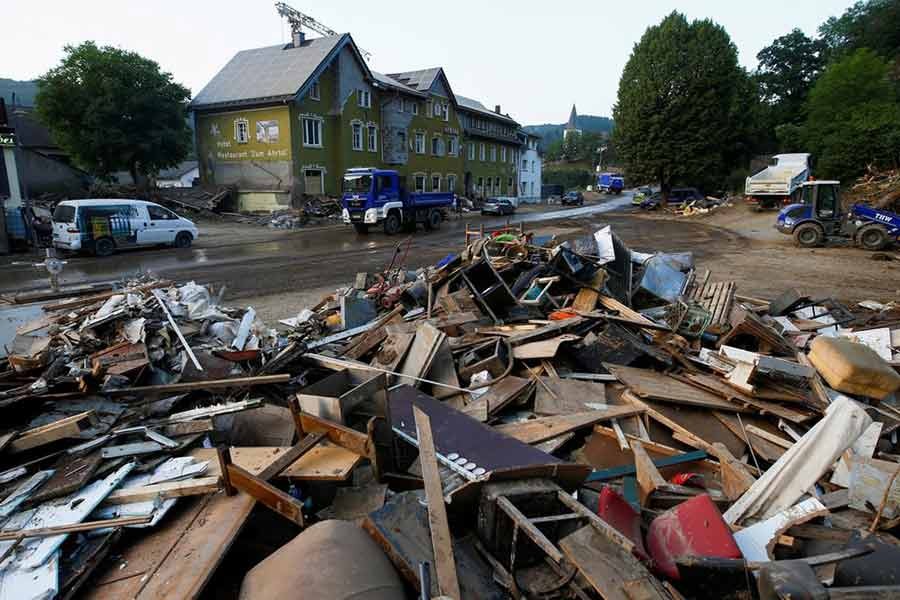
788	67
854	116
873	24
679	108
114	110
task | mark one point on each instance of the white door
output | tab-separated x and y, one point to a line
161	226
314	183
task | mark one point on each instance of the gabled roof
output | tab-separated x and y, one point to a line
388	81
272	74
473	105
573	116
177	171
423	79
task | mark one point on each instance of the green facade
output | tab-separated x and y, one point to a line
315	141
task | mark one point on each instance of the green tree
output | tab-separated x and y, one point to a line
676	101
854	116
873	24
114	110
787	69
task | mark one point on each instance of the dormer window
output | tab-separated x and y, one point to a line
314	91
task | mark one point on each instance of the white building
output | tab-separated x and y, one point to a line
183	175
529	168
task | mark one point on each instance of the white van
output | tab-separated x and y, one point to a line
102	226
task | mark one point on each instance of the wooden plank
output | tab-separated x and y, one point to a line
40	532
325	462
288	458
545	331
345	437
653	385
716	385
611	569
443	370
164	491
648	477
421	354
564	396
267	494
441	540
69	427
211	384
393	351
523	523
736	479
498	396
543	348
535	431
375	336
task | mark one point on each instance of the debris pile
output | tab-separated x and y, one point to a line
526	418
879	188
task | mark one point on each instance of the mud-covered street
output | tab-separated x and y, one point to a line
280	271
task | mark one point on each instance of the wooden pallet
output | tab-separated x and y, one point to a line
717	298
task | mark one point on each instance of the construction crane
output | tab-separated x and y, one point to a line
298	20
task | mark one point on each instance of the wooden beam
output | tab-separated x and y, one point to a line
291	456
736	479
165	491
441	541
69	427
350	439
538	430
266	494
522	522
648	476
211	384
75	528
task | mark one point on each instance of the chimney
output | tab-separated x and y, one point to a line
297	38
497	108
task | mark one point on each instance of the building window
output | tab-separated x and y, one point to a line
436	109
509	185
373	138
451	183
419	183
481	153
497	184
471	151
429	108
480	184
445	111
437	146
401	141
312	133
452	146
364	98
524	164
356	129
420	143
435	183
241	131
314	91
532	165
493	153
415	107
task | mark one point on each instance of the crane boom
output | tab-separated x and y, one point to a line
299	20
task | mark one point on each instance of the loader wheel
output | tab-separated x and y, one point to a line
392	223
873	238
433	221
809	235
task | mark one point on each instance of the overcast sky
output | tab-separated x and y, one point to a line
534	58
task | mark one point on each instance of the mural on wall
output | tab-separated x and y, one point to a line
226	137
267	131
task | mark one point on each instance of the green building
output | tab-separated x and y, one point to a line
286	121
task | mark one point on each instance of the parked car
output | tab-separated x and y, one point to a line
573	198
498	206
677	197
104	226
641	194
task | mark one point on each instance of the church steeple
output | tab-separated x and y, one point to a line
573	116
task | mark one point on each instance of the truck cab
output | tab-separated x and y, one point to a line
371	196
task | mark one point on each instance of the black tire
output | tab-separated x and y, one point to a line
433	220
809	235
872	238
392	223
104	247
184	240
361	228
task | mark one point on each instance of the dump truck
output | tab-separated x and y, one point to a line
778	183
820	217
372	196
610	183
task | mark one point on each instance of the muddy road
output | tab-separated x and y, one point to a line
280	272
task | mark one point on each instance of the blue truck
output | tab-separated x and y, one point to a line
819	216
372	196
610	183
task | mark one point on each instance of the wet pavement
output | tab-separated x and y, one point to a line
255	261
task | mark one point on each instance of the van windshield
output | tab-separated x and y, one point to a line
64	214
357	184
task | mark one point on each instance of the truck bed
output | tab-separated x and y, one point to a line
430	199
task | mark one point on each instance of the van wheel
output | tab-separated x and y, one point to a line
361	228
433	221
809	235
183	240
392	224
104	247
873	238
